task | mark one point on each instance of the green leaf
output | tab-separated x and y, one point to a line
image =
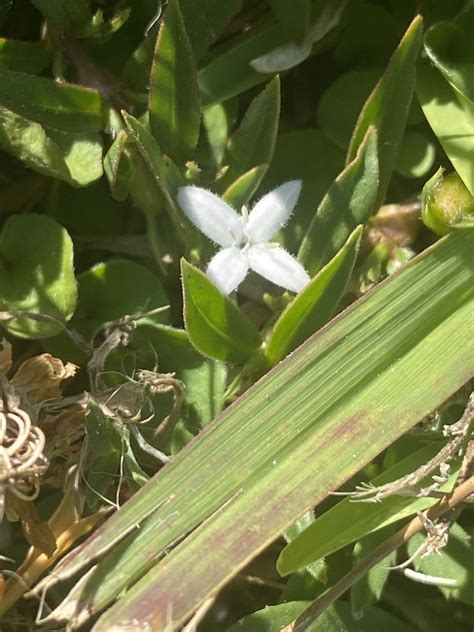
448	119
295	16
455	562
205	20
350	201
242	190
162	169
118	287
388	105
102	456
117	166
368	590
74	158
337	618
65	14
174	95
449	47
395	355
62	106
216	125
315	305
347	521
341	103
204	379
309	156
253	143
22	56
230	74
36	273
216	327
108	291
417	155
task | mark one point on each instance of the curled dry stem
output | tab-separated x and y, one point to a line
22	459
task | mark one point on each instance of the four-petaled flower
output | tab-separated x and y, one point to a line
244	238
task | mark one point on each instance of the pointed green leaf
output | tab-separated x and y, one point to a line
315	305
349	201
174	95
117	166
216	327
162	169
253	143
36	273
242	190
307	155
451	123
388	105
63	106
337	618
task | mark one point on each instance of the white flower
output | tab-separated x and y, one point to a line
245	238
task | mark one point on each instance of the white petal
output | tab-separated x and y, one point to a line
273	211
278	266
227	269
216	219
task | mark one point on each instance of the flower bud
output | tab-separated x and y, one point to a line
446	203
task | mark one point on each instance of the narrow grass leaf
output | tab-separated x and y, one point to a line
300	432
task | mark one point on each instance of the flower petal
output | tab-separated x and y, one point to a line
216	219
227	269
278	266
273	211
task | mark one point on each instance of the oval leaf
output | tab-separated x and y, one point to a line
36	273
216	327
